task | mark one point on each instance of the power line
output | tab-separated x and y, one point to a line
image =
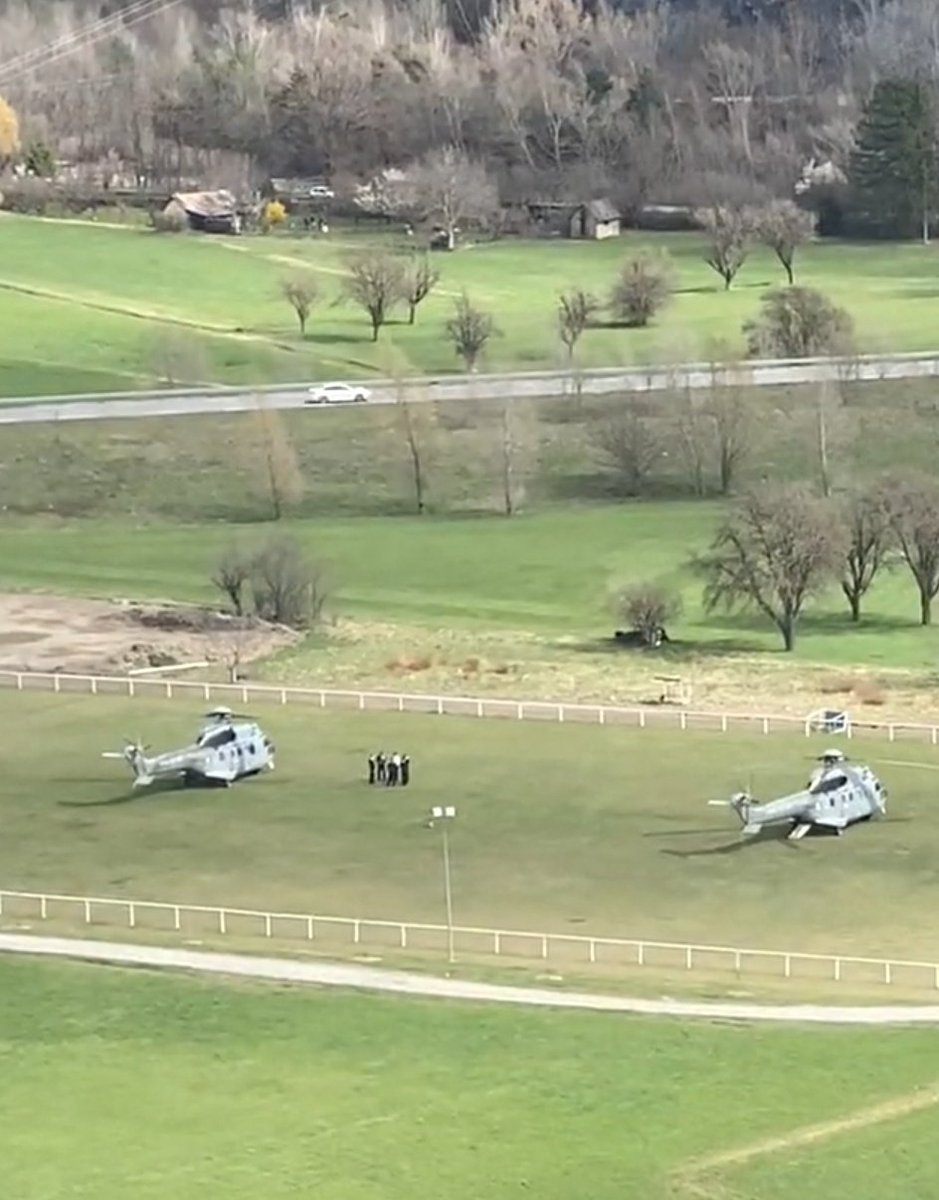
30	61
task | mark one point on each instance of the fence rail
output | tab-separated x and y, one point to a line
557	949
664	717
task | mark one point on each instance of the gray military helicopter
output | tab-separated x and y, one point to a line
838	794
226	749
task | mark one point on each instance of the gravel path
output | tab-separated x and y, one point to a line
377	979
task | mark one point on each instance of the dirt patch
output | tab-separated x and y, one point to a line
53	633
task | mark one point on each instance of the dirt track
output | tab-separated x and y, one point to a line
54	633
376	979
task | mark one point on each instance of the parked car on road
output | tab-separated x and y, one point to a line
337	393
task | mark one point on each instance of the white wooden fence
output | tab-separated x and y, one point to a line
656	717
559	950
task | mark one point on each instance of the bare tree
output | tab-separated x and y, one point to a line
300	292
178	357
451	188
630	446
469	329
420	279
231	575
575	310
286	586
784	227
516	436
734	429
642	289
913	509
730	236
413	418
375	282
282	473
647	608
734	73
772	552
799	322
867	525
694	433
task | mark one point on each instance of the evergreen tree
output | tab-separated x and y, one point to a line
894	165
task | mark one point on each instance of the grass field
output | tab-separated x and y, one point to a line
532	593
118	1083
577	830
89	308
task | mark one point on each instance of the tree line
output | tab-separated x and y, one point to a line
660	102
780	546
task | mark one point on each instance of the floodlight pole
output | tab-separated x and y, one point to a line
445	815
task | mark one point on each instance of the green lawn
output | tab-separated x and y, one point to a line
579	830
106	296
119	1083
546	575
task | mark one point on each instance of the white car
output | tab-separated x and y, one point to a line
337	393
319	191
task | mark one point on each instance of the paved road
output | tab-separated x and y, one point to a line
375	979
539	385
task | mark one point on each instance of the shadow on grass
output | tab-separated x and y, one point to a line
771	834
674	652
158	787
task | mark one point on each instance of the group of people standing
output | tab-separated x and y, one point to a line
389	769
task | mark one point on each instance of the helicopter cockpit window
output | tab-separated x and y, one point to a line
831	784
220	737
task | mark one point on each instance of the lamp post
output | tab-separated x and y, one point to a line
445	814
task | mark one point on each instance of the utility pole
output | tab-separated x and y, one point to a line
445	814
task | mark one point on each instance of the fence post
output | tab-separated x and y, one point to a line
19	682
400	704
688	957
94	686
42	907
642	719
561	713
479	708
641	959
888	977
544	946
55	683
361	701
132	915
356	936
322	699
602	712
787	967
87	912
683	719
267	925
404	937
723	722
891	733
309	929
497	949
440	706
283	695
222	923
737	963
837	970
177	920
766	724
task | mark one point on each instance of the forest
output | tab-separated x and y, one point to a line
670	103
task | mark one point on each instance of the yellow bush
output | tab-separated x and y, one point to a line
9	130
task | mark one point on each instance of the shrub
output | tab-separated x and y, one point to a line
642	290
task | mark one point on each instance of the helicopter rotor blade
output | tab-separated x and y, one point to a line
903	762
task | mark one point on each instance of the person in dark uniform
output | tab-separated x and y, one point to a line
380	766
405	770
371	768
393	762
